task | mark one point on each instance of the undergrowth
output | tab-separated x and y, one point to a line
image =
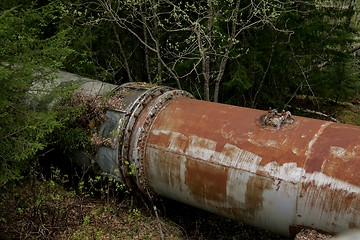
97	208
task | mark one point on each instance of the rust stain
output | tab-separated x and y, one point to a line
325	202
331	200
283	146
161	138
322	159
314	164
337	153
178	143
173	141
236	126
166	171
206	181
200	148
315	145
255	187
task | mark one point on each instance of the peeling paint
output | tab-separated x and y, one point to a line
202	148
316	136
271	179
289	171
339	152
266	143
327	203
296	151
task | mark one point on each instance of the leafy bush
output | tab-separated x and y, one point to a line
27	57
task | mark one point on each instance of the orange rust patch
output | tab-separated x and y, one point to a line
226	124
166	170
161	139
336	153
314	163
181	143
255	187
206	181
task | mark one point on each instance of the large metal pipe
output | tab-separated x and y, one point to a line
222	159
218	158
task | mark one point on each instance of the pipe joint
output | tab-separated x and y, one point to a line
140	132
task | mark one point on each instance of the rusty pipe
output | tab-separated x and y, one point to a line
220	158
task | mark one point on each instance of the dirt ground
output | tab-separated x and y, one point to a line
46	210
307	234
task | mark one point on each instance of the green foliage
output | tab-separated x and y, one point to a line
40	206
350	115
71	139
274	54
27	55
311	55
105	187
134	215
91	40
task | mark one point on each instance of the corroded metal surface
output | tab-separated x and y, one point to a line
237	162
140	132
218	158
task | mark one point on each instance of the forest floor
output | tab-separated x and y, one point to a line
35	208
342	112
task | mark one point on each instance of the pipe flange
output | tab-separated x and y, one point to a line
139	146
133	111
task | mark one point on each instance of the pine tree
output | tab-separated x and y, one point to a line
28	53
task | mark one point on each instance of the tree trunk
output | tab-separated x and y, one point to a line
126	64
158	52
225	58
204	53
146	52
220	75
